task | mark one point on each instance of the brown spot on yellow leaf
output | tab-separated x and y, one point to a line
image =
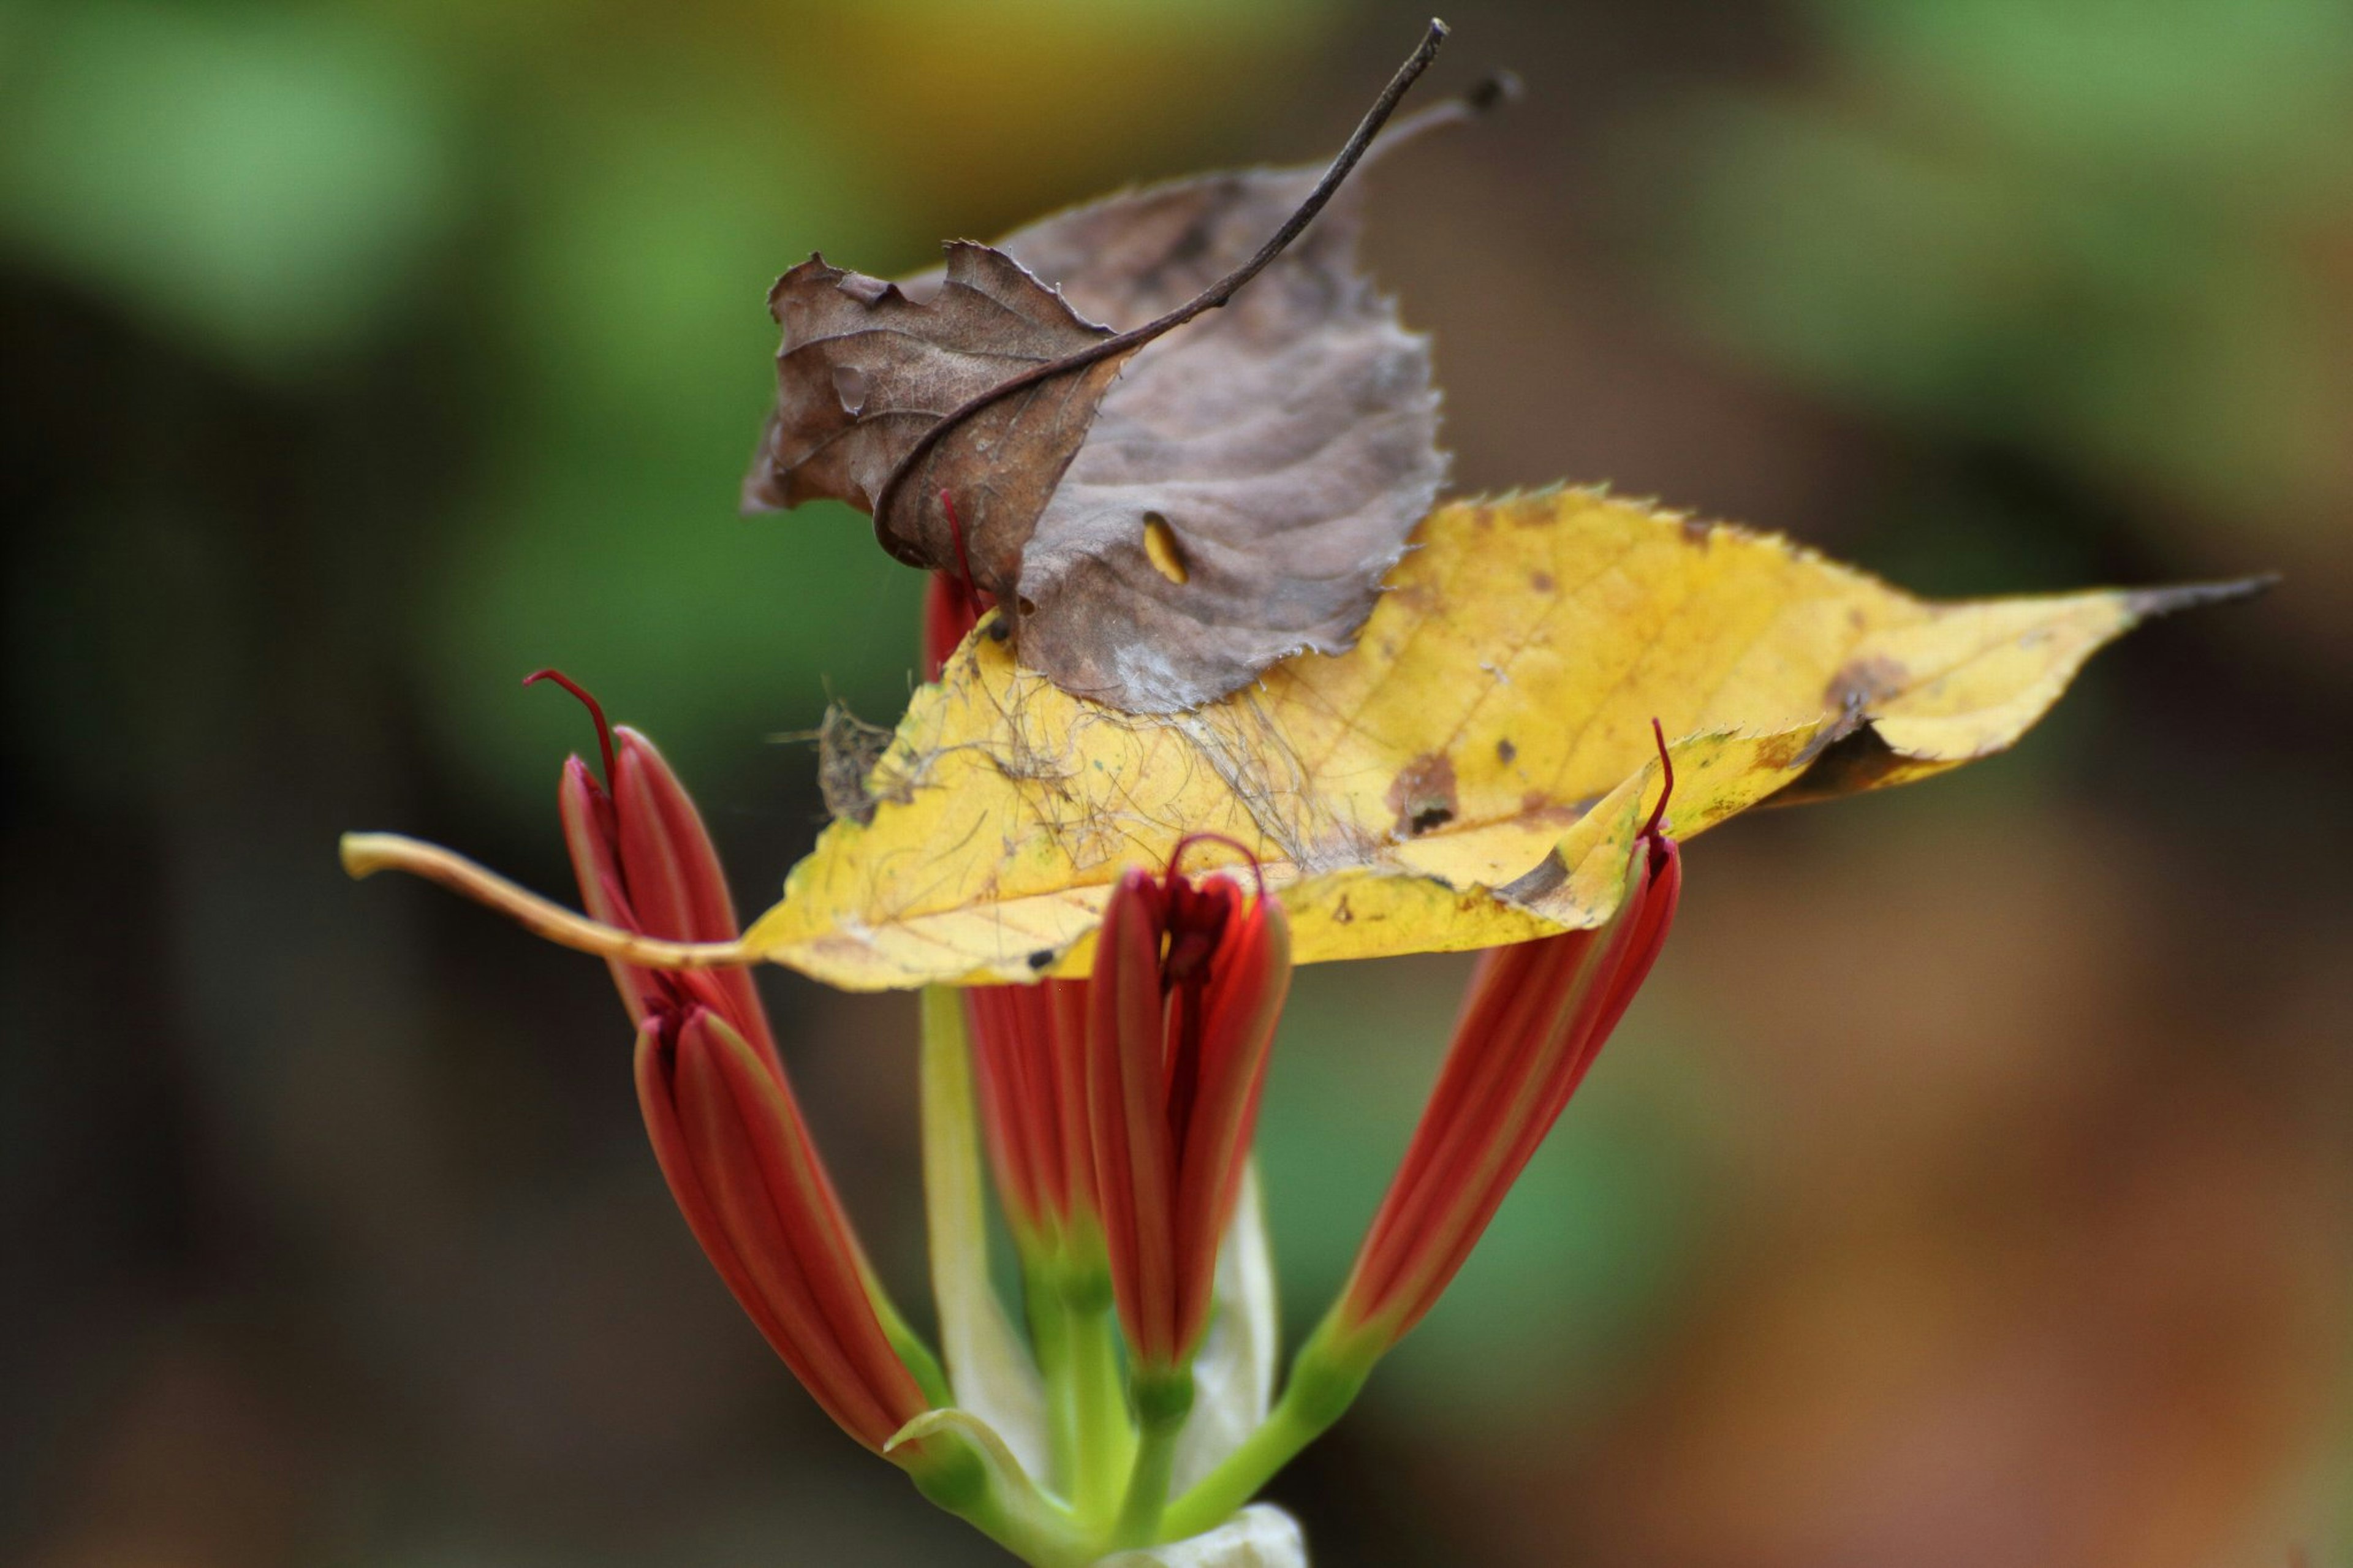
1422	794
1789	750
1505	752
1419	597
1542	582
1860	682
1538	807
847	750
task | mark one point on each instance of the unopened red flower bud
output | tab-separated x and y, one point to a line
1535	1017
1187	984
1029	1045
646	863
725	1128
738	1158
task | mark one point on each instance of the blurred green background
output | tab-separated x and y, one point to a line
1972	1185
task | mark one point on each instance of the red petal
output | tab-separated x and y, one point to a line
950	610
676	884
586	812
655	1064
1128	1104
752	1157
1248	978
1533	1020
1011	1046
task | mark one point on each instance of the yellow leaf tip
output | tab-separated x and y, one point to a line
2148	604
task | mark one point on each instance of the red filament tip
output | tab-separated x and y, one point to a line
964	557
1666	783
1258	873
596	712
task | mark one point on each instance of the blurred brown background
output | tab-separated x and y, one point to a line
1972	1185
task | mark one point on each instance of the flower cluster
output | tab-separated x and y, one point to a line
1113	1118
1114	1115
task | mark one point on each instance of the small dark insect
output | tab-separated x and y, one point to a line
849	749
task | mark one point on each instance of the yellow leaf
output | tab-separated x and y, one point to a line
1473	773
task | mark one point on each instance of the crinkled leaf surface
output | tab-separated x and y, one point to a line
868	368
1233	496
1473	773
1281	448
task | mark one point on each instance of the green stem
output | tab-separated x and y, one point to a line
1324	1379
1102	1433
1163	1401
986	1491
912	1348
1033	1531
1050	1337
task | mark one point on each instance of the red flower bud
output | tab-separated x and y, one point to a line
737	1155
725	1127
1535	1018
1029	1045
1187	984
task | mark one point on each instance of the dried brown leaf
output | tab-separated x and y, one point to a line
1159	537
868	368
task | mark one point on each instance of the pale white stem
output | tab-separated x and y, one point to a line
989	1369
